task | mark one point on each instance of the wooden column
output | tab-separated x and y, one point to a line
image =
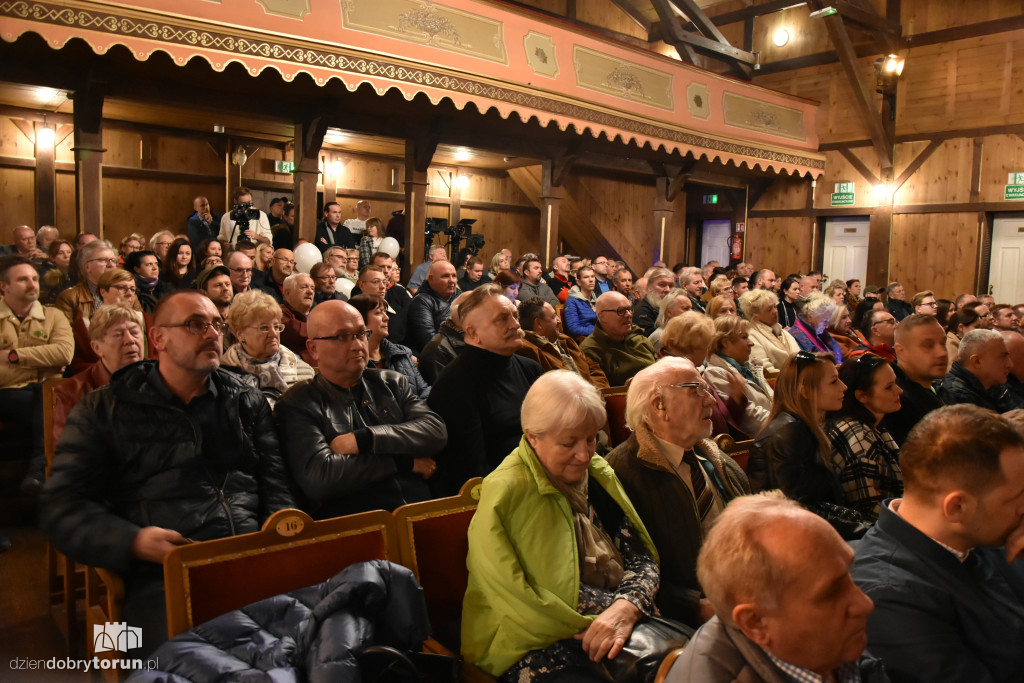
88	149
309	138
419	151
455	194
45	174
664	210
553	171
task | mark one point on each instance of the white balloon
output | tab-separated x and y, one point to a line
307	256
389	245
345	286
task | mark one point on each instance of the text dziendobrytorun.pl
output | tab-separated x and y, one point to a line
86	665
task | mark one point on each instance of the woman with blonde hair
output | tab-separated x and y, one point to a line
772	344
792	453
730	354
721	305
264	257
499	263
255	321
675	303
836	290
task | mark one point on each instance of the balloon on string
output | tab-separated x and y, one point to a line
307	256
389	245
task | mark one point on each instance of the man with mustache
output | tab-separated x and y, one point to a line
480	393
355	439
171	451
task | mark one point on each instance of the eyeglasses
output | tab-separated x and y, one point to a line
885	321
697	389
108	261
124	289
241	270
199	327
265	329
622	311
326	277
930	304
377	282
346	337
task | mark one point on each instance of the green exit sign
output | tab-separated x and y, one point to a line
711	199
284	167
842	198
1015	179
1014	192
844	188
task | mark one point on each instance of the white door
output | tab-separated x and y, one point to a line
846	249
714	246
1007	265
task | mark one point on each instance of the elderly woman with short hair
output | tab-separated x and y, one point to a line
721	305
730	355
255	320
561	569
675	475
811	327
772	344
675	303
115	286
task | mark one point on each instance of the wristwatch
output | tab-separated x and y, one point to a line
12	356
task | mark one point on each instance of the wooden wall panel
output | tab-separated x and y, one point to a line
17	200
187	155
944	177
782	244
935	252
604	13
13	142
501	229
66	206
489	188
369	173
623	212
124	148
928	15
147	206
1001	155
839	170
259	166
785	193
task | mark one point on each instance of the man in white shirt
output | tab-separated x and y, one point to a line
259	229
357	225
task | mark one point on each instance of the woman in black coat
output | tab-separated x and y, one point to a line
383	354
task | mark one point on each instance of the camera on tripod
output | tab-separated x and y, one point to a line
456	233
242	214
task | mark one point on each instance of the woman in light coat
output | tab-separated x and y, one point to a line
772	345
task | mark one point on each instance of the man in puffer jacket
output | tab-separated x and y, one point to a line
169	452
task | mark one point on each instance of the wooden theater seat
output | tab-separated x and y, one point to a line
737	450
433	543
666	665
205	580
615	405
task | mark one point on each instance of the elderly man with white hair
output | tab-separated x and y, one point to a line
810	330
691	280
674	304
25	245
299	293
45	236
979	374
786	608
677	478
660	282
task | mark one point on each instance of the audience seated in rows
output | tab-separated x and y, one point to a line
382	354
773	345
432	304
921	362
545	344
354	440
676	476
580	307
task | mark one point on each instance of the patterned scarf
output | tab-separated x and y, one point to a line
600	561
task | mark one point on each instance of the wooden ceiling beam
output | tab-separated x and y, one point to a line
863	93
672	32
754	11
631	11
916	164
860	166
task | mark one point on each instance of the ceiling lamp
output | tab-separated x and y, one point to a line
781	36
240	156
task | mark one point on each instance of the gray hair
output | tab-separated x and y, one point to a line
754	301
659	272
292	281
89	251
973	342
667	301
817	306
734	566
155	238
686	273
330	250
645	384
44	229
561	399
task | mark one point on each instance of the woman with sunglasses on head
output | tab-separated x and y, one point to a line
864	454
255	321
792	453
382	353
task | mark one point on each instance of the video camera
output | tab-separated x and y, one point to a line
242	214
463	229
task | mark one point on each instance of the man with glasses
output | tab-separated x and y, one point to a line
676	476
355	439
603	280
618	345
240	266
83	299
171	451
924	303
879	329
282	266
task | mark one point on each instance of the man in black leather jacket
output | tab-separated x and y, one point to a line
169	452
355	439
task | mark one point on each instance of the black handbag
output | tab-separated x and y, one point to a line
383	664
652	640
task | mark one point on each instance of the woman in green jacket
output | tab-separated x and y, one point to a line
560	565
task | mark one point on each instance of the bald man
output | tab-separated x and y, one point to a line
431	305
616	343
355	439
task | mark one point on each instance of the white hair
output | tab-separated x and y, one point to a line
973	343
817	306
155	238
645	384
754	301
564	400
292	281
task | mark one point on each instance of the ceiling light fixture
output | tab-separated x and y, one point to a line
780	37
240	156
45	136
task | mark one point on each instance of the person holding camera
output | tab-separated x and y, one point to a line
244	221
